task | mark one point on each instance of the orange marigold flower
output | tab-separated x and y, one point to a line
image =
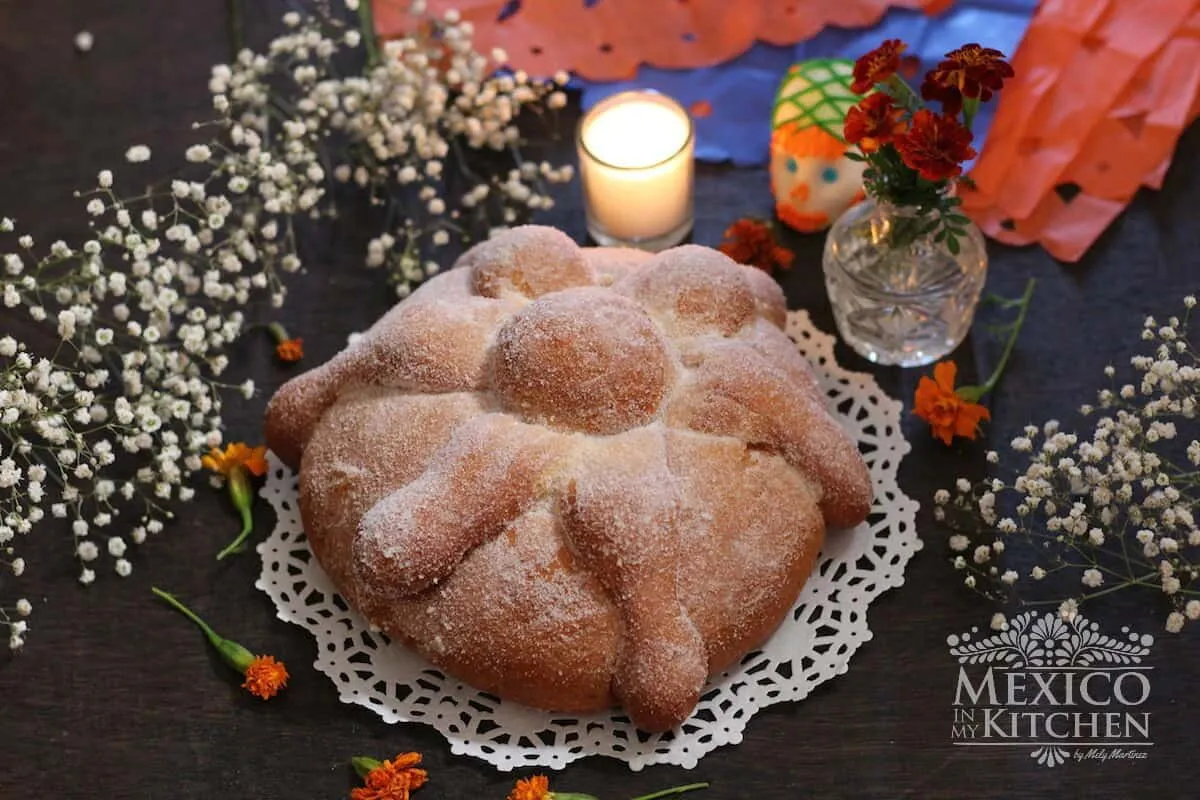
873	122
265	677
752	242
290	350
935	145
254	459
877	66
948	413
392	780
970	71
535	788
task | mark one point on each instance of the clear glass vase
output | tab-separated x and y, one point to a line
898	296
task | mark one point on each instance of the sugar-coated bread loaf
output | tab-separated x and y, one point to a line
574	478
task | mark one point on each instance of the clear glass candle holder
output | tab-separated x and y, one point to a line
899	298
637	168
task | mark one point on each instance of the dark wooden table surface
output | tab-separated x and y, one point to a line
115	697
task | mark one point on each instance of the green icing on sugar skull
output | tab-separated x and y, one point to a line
812	180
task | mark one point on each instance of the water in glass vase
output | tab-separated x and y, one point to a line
900	297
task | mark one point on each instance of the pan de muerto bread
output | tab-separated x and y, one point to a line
573	478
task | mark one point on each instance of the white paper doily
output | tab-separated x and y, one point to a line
813	645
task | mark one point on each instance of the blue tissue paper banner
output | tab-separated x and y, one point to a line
741	92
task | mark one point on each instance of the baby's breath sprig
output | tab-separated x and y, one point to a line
428	129
105	427
1109	511
13	619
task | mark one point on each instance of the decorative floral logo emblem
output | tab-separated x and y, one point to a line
1048	640
1058	686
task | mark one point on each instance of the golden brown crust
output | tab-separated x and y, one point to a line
573	478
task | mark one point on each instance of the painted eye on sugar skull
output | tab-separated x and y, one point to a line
791	164
829	174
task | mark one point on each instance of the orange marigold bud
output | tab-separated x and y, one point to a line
264	675
290	350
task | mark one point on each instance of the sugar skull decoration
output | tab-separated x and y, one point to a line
811	178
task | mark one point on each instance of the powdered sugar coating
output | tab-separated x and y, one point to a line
603	494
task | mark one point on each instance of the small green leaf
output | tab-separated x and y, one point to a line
853	156
952	245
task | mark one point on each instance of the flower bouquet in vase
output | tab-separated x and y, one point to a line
904	269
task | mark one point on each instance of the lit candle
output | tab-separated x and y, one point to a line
635	159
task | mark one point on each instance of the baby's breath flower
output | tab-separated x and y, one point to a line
84	41
198	153
1068	610
137	154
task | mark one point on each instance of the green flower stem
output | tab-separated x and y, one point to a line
970	109
366	21
364	764
230	651
241	492
973	393
673	791
902	93
278	332
236	26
